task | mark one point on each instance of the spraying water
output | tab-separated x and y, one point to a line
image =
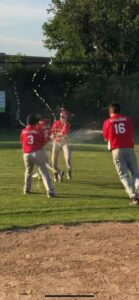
85	135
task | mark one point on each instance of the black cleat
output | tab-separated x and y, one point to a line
51	194
69	175
26	192
60	176
55	177
134	201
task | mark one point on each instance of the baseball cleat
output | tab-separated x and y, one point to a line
69	175
134	201
60	176
137	186
55	177
26	192
51	194
36	175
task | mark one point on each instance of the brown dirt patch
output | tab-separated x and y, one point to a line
91	258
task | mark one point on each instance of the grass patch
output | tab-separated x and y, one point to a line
94	194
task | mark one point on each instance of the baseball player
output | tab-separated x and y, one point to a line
118	131
43	125
59	134
32	140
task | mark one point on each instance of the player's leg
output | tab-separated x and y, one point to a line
48	165
55	155
29	164
120	162
67	156
133	167
40	158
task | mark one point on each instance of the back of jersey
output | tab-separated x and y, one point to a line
32	139
120	132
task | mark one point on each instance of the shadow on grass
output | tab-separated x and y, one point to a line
104	185
93	196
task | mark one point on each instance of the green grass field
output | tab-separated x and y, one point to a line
94	193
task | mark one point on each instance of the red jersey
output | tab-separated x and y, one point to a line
118	131
60	130
32	139
44	126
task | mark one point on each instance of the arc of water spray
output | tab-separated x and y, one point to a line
43	100
18	114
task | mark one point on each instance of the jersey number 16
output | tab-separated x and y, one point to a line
120	128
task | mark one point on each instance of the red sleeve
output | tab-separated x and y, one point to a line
105	130
54	127
65	129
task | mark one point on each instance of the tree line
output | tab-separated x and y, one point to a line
96	61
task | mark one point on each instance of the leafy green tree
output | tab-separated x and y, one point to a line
106	31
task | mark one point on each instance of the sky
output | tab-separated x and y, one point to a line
21	27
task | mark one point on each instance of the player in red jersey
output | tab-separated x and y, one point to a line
44	126
59	134
118	131
32	140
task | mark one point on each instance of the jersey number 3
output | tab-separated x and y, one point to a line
120	128
30	139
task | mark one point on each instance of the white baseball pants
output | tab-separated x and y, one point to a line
36	158
125	161
56	148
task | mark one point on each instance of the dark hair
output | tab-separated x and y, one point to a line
31	120
38	117
115	107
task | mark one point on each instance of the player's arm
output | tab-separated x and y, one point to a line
65	130
106	130
53	130
63	133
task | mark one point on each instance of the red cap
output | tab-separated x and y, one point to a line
64	114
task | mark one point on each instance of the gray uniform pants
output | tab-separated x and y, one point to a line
56	148
49	167
36	158
125	161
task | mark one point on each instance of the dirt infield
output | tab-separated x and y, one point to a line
100	259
